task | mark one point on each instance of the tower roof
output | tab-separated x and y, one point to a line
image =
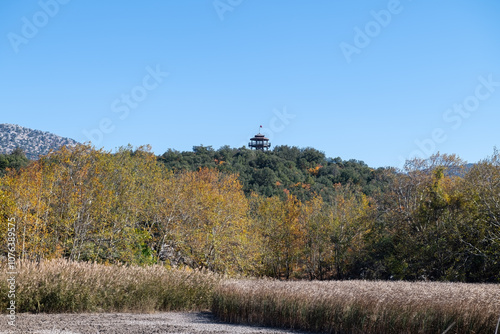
259	137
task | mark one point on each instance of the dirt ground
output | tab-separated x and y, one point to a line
111	323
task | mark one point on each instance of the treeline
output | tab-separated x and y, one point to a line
311	217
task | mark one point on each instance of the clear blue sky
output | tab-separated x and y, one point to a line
364	80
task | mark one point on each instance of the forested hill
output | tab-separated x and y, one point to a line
299	171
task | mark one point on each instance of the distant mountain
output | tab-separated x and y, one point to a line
33	142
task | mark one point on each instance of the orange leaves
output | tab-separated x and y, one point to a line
306	186
314	170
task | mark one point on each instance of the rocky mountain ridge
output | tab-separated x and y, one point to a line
33	142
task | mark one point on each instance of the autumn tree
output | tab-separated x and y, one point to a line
350	217
479	229
420	213
316	252
79	203
282	234
207	220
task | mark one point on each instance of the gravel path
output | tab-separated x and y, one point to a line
133	323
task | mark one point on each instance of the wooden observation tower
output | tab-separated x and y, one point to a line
259	142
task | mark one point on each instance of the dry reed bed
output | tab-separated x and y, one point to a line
331	307
65	286
360	306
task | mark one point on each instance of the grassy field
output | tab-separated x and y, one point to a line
329	307
63	286
361	306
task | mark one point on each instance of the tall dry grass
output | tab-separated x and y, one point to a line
360	306
330	307
65	286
